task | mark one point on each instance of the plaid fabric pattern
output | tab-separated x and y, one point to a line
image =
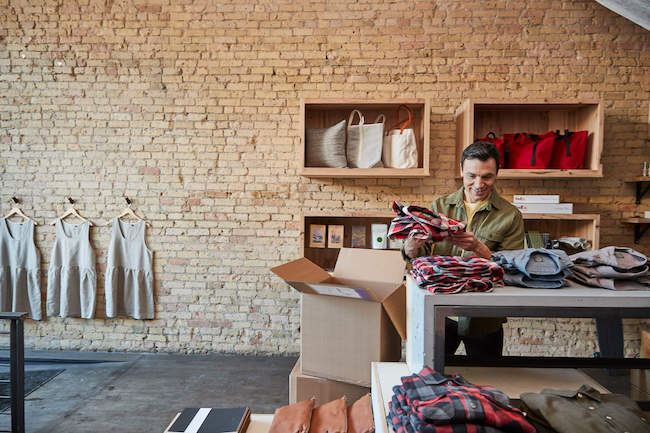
451	274
421	223
429	402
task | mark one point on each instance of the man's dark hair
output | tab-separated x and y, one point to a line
481	150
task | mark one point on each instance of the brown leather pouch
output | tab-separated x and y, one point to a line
330	417
360	416
294	418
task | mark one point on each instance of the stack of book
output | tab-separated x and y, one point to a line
542	204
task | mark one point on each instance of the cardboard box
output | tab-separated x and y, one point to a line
302	387
351	318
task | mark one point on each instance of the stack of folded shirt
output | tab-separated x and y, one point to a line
451	274
585	410
430	402
421	223
614	268
537	268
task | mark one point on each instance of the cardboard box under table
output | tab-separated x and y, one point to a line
350	318
302	387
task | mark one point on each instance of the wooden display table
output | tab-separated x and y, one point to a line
511	381
426	313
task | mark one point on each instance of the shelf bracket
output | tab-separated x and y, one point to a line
639	230
640	191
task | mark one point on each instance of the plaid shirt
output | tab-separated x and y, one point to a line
421	223
451	274
429	402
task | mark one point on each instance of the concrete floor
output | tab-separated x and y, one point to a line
141	393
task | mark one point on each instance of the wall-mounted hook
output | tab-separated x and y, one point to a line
70	200
128	201
15	200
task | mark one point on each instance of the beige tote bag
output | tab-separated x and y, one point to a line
400	149
365	141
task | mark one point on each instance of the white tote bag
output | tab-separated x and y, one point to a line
400	149
365	141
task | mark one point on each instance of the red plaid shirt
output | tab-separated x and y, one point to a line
429	402
451	274
421	223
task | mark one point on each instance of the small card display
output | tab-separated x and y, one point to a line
316	236
379	233
335	236
358	237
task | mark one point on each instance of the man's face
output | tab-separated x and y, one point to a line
479	178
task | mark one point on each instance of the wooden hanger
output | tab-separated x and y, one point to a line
71	211
15	210
128	211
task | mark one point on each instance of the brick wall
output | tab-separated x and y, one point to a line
192	110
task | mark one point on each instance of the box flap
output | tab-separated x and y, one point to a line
301	270
385	266
395	306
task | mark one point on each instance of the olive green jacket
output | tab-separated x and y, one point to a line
498	224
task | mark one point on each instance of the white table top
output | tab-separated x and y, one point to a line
573	296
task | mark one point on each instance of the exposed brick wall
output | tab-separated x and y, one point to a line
191	109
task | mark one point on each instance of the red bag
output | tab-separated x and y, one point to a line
529	150
569	149
500	145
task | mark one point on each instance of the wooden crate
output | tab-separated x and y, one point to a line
476	118
326	257
581	225
321	113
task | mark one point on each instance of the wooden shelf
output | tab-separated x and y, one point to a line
476	118
326	257
640	226
640	190
586	226
321	113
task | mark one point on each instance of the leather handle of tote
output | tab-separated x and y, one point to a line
534	138
406	122
361	120
494	136
567	138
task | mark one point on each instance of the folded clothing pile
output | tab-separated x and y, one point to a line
421	223
614	268
537	268
332	417
451	274
430	402
585	410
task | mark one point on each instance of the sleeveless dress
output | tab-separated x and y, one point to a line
71	278
20	269
129	272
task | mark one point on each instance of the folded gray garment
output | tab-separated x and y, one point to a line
519	279
621	258
533	262
604	271
621	284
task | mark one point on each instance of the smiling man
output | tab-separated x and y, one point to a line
493	224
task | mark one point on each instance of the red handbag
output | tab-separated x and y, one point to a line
500	145
529	150
569	149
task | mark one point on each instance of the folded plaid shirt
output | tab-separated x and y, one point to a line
429	402
451	274
421	223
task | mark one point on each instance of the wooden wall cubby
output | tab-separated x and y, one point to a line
586	226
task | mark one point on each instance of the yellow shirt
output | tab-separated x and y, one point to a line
471	208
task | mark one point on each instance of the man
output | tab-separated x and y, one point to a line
493	224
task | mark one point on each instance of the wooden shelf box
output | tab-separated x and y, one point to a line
476	118
322	113
326	257
586	226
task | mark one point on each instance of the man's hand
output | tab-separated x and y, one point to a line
469	242
412	246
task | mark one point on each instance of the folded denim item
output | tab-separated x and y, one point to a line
620	284
294	418
534	262
519	279
620	258
603	271
360	416
330	418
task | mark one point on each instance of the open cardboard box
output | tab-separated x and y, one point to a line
302	387
351	318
